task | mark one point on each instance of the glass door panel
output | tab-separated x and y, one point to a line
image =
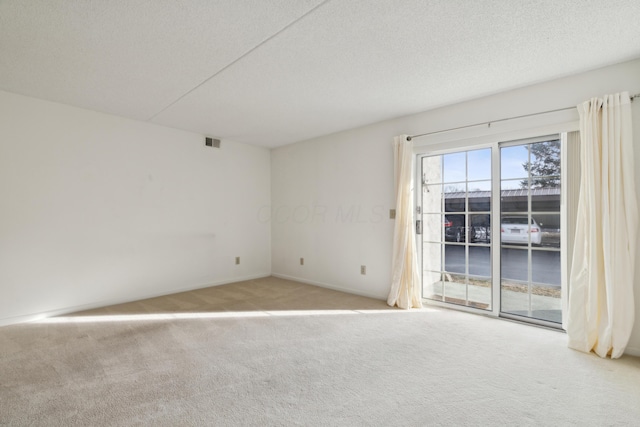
530	230
456	206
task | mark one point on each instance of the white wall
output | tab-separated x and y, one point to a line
96	209
354	170
331	199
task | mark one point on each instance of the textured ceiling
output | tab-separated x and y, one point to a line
273	72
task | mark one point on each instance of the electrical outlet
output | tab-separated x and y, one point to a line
363	269
301	261
392	213
237	260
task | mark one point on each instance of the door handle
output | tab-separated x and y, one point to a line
418	227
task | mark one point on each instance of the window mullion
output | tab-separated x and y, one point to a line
495	228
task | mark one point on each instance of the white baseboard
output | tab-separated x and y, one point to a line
328	286
104	303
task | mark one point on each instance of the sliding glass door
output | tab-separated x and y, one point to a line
530	230
456	205
463	242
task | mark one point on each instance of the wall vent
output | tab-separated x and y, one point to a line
212	142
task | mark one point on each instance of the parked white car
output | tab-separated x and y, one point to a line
515	230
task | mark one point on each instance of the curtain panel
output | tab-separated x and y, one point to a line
601	303
405	281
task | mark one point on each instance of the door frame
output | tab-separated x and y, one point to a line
418	211
495	144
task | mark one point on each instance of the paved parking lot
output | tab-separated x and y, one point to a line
514	263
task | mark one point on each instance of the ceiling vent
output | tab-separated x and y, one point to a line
212	142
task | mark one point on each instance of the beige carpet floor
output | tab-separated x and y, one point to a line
276	352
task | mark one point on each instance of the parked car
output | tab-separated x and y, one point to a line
516	230
478	231
454	229
480	228
480	234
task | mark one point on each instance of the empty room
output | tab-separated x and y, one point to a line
319	212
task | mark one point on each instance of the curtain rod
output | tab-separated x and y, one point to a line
501	120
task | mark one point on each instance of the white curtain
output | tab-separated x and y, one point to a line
601	309
405	284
